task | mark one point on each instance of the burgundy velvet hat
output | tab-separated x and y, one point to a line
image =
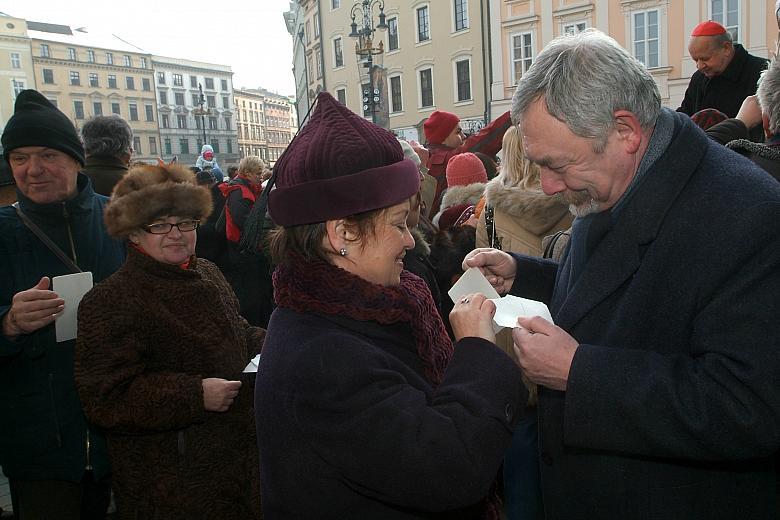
339	165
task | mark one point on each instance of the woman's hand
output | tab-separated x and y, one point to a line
219	394
472	316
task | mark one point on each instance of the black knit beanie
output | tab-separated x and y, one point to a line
37	122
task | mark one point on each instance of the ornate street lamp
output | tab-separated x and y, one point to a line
363	31
201	112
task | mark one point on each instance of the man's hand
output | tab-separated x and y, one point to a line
750	112
32	309
544	352
498	267
219	394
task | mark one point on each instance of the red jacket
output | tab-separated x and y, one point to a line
487	141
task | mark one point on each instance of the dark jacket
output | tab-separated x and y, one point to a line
672	408
104	172
139	371
727	91
44	432
212	241
349	427
418	261
765	155
487	141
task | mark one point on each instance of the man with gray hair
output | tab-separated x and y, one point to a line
108	143
659	393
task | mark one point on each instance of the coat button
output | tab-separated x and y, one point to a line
508	412
547	458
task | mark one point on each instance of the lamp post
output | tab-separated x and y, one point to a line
201	111
364	46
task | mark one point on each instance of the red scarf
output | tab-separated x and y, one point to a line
316	286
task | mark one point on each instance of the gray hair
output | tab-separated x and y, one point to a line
768	95
107	136
719	39
584	79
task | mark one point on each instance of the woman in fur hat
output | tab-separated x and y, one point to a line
160	349
368	409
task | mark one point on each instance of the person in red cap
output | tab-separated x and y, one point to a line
726	74
445	140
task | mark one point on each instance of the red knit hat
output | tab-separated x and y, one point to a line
439	126
339	165
464	169
708	28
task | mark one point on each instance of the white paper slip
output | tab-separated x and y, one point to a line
509	308
472	281
71	288
253	364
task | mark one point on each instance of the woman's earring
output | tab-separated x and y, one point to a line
343	251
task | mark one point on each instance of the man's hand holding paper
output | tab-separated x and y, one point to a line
544	351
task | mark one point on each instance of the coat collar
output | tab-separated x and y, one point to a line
733	71
619	255
80	204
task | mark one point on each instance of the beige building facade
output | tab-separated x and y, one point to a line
250	123
278	125
655	31
16	64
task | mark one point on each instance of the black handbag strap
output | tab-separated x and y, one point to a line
45	239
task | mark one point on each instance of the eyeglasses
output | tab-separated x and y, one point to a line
166	227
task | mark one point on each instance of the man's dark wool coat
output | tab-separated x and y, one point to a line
672	409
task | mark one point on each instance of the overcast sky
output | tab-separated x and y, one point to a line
248	35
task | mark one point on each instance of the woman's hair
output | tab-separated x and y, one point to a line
308	240
516	170
252	166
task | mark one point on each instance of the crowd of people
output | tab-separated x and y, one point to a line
652	235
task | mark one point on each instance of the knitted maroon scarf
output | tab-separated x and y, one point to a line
317	286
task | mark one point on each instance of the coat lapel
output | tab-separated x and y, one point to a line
619	254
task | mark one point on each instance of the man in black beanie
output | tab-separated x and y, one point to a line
56	464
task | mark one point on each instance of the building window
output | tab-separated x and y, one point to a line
338	53
163	97
228	123
212	123
319	65
193	82
225	101
93	80
426	88
48	76
137	145
53	102
463	79
44	50
161	78
461	15
130	83
195	99
309	58
109	58
142	63
18	86
97	108
210	83
308	32
146	84
223	84
423	24
178	80
128	61
133	111
316	27
199	145
184	146
178	98
392	34
211	101
149	112
90	56
215	145
71	54
574	28
111	81
165	121
229	146
396	99
181	121
168	146
726	13
341	95
335	4
646	37
522	54
197	124
153	145
16	60
78	109
115	109
74	78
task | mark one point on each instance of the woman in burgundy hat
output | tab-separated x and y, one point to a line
365	408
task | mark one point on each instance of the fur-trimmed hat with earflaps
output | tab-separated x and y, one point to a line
147	193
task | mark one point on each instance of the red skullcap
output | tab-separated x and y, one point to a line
439	125
708	28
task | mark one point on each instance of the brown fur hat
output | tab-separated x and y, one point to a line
149	192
